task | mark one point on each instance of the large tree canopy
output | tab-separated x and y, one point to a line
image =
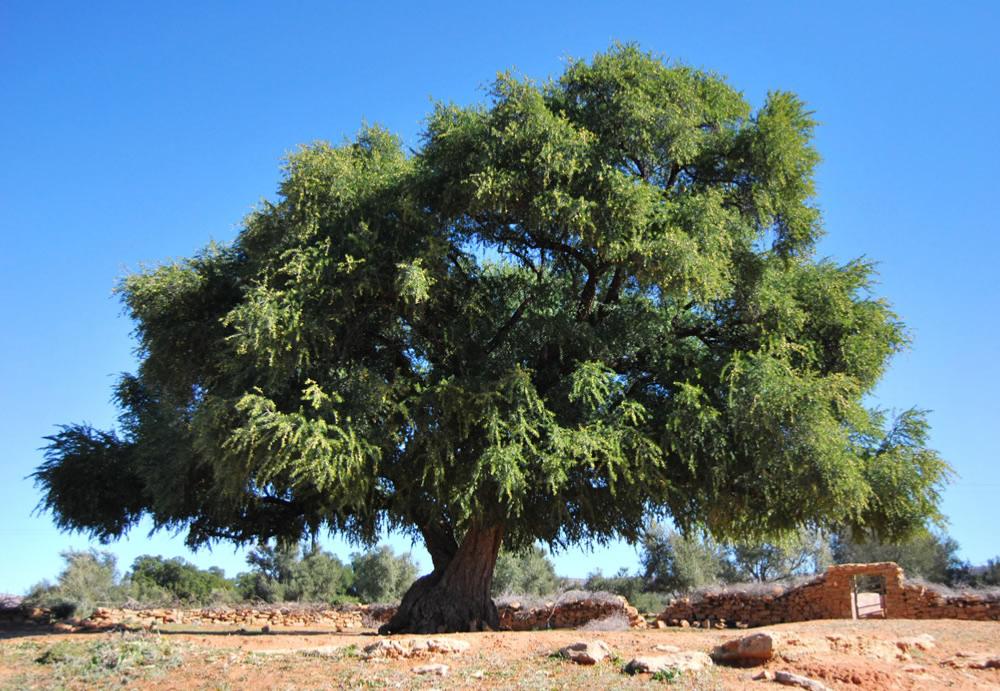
583	303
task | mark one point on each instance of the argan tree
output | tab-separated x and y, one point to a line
583	304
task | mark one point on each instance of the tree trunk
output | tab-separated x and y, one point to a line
456	595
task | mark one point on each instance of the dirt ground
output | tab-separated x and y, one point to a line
838	653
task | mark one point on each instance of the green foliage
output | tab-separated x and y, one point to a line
928	554
801	553
524	573
622	583
110	662
88	580
157	579
667	676
986	575
289	573
382	576
574	305
672	561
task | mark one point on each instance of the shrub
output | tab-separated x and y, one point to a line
380	575
89	580
529	573
156	579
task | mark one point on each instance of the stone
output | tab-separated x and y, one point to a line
664	648
586	652
660	624
447	645
688	661
435	668
983	661
755	649
415	647
386	648
923	642
789	679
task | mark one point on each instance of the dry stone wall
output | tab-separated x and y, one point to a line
570	613
829	596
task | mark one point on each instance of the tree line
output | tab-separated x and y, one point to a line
670	562
278	573
673	562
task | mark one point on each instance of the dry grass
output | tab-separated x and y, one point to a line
984	593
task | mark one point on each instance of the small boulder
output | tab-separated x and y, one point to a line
446	645
386	648
688	661
924	642
973	661
789	679
436	668
664	648
586	652
755	649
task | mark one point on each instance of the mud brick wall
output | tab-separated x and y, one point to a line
829	596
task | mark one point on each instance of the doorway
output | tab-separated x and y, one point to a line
868	597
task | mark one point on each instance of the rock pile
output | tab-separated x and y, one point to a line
415	647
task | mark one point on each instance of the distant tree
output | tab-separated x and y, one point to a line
156	578
381	576
989	574
294	573
628	585
271	570
803	552
672	561
524	573
587	299
319	577
928	554
89	579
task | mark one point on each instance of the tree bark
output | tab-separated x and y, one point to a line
455	596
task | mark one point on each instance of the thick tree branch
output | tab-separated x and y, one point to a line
511	322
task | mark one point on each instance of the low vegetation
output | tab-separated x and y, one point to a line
671	563
278	574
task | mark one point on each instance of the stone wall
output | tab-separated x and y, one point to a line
828	596
567	613
570	613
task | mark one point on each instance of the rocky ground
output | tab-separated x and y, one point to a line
835	654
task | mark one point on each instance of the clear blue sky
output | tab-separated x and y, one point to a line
135	132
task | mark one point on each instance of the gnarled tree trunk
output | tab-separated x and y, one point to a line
456	595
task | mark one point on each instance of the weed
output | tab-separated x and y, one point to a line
669	676
128	657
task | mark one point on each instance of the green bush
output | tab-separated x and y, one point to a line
526	573
381	576
156	579
675	562
280	574
89	580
